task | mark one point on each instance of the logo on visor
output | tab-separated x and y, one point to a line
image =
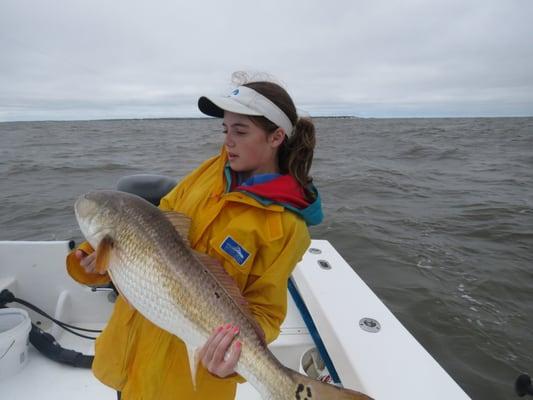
235	92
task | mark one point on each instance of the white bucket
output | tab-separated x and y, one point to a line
15	326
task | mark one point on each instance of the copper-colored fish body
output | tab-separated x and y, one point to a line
186	293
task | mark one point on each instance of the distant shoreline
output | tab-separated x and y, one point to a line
350	117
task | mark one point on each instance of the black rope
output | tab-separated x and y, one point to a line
7	297
46	343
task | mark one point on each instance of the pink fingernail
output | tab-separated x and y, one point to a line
227	326
236	330
238	344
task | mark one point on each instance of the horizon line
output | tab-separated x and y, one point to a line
312	116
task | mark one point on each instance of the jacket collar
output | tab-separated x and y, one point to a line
282	192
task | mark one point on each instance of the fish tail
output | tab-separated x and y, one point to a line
311	389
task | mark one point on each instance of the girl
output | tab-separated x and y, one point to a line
250	207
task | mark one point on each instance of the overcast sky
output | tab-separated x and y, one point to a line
93	59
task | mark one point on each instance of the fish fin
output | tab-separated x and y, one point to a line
181	223
103	253
194	360
218	271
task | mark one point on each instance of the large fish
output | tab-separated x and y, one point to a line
187	293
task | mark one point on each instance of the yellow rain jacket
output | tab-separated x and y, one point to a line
145	362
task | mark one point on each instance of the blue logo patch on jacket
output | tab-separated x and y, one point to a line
234	250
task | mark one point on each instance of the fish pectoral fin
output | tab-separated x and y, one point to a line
103	254
194	360
181	223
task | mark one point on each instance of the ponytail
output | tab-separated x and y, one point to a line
296	154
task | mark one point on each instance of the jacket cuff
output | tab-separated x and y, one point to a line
77	272
236	378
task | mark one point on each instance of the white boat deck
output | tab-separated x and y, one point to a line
389	364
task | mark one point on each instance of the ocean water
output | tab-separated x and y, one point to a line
436	215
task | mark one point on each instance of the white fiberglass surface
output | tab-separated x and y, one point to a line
34	271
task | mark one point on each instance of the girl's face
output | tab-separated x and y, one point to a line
250	149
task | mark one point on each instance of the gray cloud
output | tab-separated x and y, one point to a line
97	59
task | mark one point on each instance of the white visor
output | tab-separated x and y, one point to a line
244	100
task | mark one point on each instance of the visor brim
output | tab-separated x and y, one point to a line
215	106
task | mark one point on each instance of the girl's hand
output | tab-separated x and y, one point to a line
87	261
217	355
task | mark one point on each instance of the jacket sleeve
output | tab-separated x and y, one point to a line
77	272
266	290
168	202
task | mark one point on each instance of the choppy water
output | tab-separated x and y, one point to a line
435	214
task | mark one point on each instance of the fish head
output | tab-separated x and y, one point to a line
97	213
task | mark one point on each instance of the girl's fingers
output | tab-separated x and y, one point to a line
218	355
234	355
89	262
206	353
85	261
226	367
224	344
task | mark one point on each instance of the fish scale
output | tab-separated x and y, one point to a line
159	275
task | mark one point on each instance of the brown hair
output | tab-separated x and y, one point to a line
295	155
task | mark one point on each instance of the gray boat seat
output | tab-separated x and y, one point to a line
150	187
